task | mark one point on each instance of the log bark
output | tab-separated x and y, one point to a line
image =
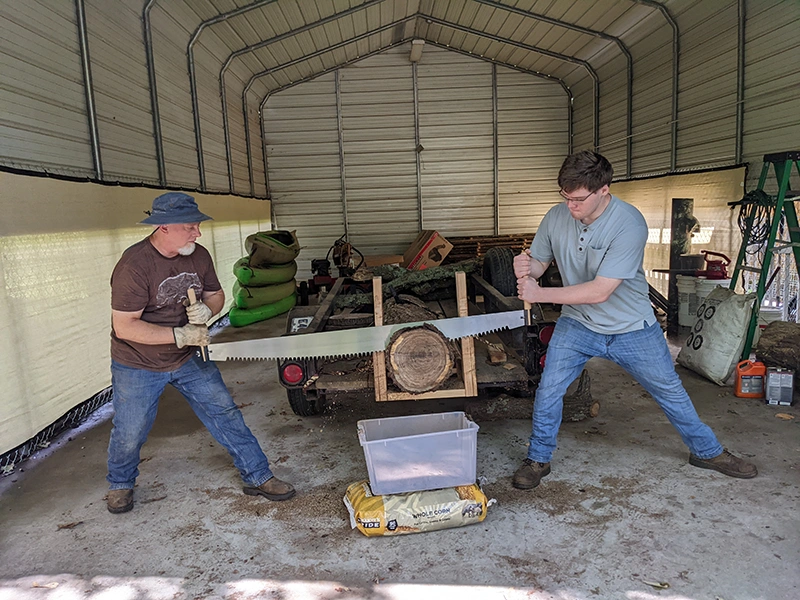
419	359
779	346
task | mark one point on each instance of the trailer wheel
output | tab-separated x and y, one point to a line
303	404
498	270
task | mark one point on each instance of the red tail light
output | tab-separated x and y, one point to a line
292	373
546	333
542	361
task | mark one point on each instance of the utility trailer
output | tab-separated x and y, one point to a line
311	382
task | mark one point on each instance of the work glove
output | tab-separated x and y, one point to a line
198	313
191	335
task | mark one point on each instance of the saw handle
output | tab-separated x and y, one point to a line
193	300
527	307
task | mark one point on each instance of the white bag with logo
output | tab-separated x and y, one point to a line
717	339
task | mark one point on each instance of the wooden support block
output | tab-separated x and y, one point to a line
467	344
379	358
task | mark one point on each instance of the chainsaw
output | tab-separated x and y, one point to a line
356	342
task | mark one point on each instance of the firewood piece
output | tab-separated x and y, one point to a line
779	346
406	309
578	401
420	359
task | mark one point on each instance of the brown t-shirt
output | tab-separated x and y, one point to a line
146	280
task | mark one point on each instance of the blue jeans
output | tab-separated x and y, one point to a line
136	393
644	354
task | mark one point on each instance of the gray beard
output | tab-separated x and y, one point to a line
187	249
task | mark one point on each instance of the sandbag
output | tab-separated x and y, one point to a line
266	248
260	276
414	512
717	339
253	297
239	317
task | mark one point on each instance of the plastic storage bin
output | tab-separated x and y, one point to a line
419	452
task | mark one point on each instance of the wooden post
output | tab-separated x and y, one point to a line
468	343
379	358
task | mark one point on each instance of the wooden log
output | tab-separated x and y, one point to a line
779	346
406	309
419	359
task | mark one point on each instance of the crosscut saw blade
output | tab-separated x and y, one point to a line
354	342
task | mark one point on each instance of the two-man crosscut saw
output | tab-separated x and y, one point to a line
354	342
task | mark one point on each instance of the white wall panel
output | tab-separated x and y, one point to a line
377	101
43	123
303	157
532	141
455	115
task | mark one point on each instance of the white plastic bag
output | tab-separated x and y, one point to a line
717	339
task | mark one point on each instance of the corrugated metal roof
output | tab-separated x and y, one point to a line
617	59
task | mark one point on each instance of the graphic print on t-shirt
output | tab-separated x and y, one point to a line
174	289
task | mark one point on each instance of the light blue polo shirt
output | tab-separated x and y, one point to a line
612	246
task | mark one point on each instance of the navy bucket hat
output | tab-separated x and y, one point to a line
172	208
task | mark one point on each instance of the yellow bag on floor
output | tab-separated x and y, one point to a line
414	512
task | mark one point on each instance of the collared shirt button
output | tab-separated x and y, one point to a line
581	239
580	249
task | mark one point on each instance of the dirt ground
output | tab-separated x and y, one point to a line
623	514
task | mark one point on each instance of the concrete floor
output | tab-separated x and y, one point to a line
621	510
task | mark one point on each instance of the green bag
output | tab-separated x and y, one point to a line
260	276
271	247
239	317
253	297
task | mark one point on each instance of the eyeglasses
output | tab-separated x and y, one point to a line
563	194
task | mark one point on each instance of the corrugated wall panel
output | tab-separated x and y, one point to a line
172	26
455	113
377	101
614	112
532	142
583	115
121	87
43	124
772	103
707	92
650	44
303	156
209	53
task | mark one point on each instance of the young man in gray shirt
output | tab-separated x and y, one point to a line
598	242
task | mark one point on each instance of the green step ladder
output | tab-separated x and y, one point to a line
783	206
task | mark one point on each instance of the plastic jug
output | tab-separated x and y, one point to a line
750	379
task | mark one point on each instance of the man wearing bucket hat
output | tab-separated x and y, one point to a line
155	332
598	243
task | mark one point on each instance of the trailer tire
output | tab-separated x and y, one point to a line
303	404
498	270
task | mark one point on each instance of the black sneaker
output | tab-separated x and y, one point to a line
530	474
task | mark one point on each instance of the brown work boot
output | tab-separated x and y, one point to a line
272	489
530	474
727	464
119	501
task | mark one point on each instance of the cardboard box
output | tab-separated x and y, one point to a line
383	259
428	250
